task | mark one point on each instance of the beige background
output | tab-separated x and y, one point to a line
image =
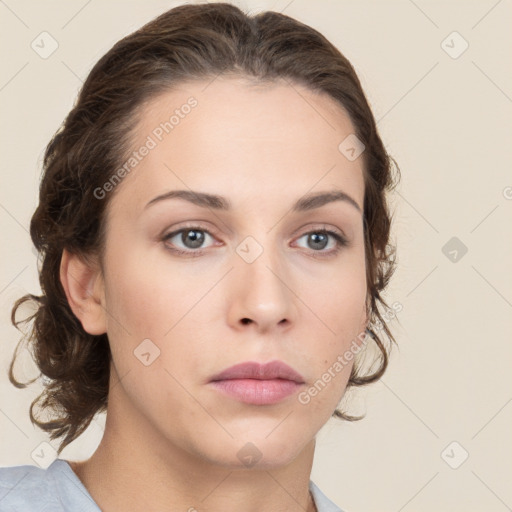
448	123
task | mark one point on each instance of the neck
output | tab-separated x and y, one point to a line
134	468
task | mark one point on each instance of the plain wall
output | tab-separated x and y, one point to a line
447	121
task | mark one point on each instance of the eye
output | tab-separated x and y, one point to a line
190	238
189	241
320	239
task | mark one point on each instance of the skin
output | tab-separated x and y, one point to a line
171	440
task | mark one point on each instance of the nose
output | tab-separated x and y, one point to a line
261	294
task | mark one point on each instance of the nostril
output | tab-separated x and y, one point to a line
246	321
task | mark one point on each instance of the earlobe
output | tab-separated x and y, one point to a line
84	288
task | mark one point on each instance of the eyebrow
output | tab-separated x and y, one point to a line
216	202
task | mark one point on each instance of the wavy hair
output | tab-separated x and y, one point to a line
188	42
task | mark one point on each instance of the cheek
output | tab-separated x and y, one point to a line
146	301
143	306
338	297
144	298
147	297
339	307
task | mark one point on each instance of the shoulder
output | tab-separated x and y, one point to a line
26	488
322	502
33	489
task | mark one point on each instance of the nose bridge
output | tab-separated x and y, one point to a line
263	294
259	263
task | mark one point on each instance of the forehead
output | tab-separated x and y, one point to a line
258	140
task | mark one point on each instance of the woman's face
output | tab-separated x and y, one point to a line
194	285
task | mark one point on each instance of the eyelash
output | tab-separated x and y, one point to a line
341	242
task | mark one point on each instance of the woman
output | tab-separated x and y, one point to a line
214	239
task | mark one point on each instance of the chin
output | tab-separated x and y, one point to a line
256	451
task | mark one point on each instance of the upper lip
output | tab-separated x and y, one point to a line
254	370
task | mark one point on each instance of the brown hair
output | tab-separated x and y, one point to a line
185	43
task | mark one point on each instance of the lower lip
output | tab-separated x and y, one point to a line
257	392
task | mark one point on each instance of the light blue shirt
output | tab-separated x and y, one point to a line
58	489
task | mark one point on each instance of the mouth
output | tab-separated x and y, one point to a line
258	384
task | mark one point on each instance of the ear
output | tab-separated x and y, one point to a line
84	287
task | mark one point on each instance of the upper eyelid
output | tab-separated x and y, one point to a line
174	232
199	227
322	227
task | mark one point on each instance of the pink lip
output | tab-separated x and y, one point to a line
258	384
